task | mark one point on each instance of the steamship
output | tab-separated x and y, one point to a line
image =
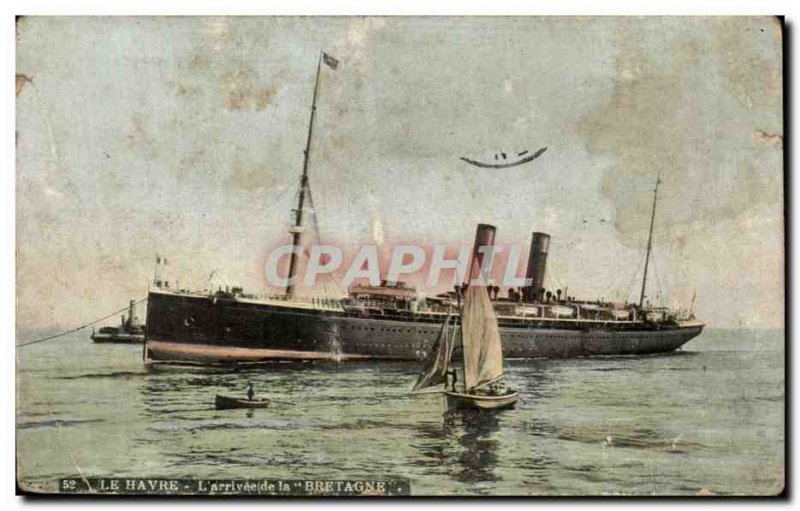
394	321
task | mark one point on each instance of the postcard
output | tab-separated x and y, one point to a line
400	256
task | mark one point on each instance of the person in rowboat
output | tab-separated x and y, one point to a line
250	391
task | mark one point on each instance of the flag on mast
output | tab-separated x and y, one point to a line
329	61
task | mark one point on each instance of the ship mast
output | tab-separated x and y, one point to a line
649	240
297	228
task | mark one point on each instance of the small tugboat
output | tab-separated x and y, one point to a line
130	331
480	348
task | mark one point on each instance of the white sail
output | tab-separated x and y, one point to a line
480	337
435	369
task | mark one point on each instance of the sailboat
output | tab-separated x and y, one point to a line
480	346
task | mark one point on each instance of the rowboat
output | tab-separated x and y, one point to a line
230	402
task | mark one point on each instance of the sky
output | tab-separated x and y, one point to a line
184	136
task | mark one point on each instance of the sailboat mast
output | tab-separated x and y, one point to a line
298	219
463	352
649	240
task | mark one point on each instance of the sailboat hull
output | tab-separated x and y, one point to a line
460	401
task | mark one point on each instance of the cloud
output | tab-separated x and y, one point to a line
668	112
204	122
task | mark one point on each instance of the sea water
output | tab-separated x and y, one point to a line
708	418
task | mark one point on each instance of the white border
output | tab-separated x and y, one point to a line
309	7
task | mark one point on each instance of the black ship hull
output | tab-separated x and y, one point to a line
186	328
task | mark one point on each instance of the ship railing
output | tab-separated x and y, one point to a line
318	302
375	304
311	302
579	312
327	303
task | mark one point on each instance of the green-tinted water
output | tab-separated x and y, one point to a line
711	416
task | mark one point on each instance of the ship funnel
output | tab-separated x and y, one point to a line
484	237
537	264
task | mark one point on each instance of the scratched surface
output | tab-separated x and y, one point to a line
710	417
184	136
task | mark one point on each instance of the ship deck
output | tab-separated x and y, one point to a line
316	306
